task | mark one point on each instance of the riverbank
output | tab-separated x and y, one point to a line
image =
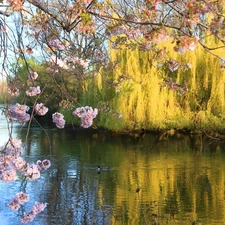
164	134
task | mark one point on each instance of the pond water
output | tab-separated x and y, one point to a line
150	181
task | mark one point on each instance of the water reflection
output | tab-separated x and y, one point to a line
177	181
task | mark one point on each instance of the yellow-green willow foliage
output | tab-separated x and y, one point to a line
3	91
135	89
146	104
180	180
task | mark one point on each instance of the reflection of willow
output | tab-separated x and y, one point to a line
173	184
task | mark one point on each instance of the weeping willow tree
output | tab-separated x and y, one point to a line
151	96
3	91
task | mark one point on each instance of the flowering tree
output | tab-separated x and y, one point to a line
71	40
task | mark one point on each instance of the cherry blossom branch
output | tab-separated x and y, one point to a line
48	12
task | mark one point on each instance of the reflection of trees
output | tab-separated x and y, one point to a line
149	180
73	196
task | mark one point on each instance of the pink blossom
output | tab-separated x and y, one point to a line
79	112
12	149
157	36
58	119
40	109
85	111
186	43
133	33
22	197
20	164
33	91
3	166
59	62
32	172
217	25
119	30
56	43
39	207
76	60
16	5
43	165
18	112
8	175
192	46
6	160
14	143
14	205
86	122
83	63
87	28
99	56
87	114
12	153
32	76
84	1
13	91
28	217
19	199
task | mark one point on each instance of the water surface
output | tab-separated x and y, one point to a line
150	181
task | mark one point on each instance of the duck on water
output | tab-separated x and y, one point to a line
99	169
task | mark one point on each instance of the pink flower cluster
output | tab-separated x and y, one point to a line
8	154
13	91
99	56
32	76
157	36
217	27
16	5
59	62
87	114
19	199
131	33
33	91
7	175
57	44
37	208
86	28
31	172
77	60
66	63
84	1
58	119
11	162
44	164
19	112
40	109
186	43
13	147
